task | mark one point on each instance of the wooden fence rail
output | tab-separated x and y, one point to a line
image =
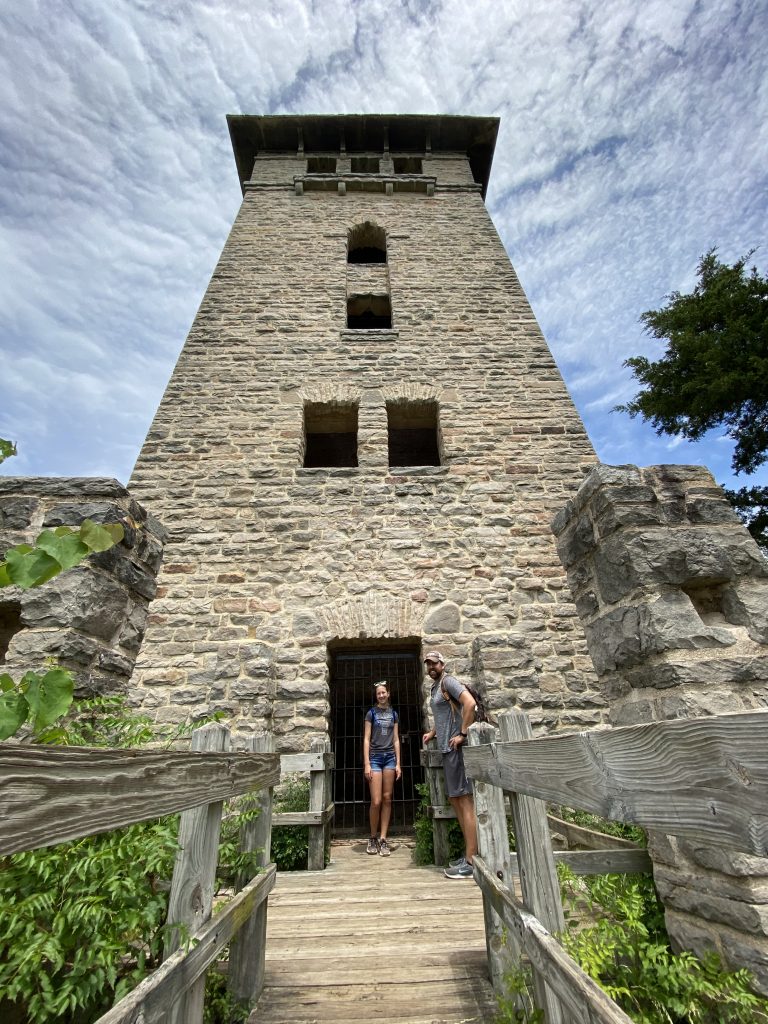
700	778
318	762
52	794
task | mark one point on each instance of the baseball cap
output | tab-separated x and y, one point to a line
434	656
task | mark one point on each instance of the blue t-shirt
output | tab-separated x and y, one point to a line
382	728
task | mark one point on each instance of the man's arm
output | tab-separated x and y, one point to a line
467	718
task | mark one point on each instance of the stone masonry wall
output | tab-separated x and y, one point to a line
673	595
268	562
90	618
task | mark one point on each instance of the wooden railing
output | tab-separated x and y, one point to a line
52	794
704	778
318	762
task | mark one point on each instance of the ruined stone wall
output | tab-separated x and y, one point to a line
673	595
91	619
268	561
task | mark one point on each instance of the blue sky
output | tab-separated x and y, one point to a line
633	138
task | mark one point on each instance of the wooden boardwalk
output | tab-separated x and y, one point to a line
375	940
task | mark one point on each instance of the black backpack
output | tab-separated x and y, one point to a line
481	712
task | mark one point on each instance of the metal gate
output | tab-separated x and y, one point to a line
353	675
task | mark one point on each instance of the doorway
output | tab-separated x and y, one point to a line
353	676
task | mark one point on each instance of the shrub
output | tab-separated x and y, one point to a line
290	843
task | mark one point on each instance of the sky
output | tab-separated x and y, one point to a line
633	138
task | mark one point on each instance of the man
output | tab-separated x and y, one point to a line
453	711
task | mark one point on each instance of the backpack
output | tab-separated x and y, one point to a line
481	712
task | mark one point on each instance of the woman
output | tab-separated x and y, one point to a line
381	764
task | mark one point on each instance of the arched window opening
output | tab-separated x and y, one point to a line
369	313
412	432
365	165
321	165
10	625
330	435
367	243
407	164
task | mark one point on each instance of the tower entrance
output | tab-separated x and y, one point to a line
354	674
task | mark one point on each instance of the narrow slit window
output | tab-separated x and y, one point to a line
369	313
413	435
365	165
330	435
10	625
367	243
407	165
321	165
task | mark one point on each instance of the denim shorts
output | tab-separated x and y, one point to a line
383	760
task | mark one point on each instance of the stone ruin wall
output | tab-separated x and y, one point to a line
91	619
268	562
673	595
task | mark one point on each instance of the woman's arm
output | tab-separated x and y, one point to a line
367	749
396	741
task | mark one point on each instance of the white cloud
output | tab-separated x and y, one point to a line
633	137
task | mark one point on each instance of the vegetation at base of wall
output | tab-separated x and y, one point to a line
615	932
84	921
219	1006
424	851
618	829
290	843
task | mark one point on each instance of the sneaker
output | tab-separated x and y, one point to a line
459	871
457	862
384	850
373	846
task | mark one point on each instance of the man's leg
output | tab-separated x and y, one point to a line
465	815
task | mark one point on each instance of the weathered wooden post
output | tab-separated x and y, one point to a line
317	803
194	876
493	844
442	811
247	950
536	863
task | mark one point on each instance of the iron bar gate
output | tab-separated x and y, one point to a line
353	677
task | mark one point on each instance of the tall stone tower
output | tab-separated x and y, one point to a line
360	451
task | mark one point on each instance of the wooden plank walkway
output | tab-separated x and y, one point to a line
375	940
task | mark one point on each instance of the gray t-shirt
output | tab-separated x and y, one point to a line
447	721
382	728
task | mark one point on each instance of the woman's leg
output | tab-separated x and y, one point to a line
374	813
386	799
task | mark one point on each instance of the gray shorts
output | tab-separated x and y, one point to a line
456	781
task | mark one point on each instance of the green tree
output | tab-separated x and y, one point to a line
714	372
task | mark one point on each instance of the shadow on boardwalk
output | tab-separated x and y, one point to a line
375	939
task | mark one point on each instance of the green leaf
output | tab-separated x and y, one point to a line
6	683
101	538
13	712
7	449
48	696
5	579
66	548
28	567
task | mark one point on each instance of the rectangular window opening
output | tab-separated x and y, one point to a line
369	313
408	164
365	165
321	165
413	436
10	625
330	435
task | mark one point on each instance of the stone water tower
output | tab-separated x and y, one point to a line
360	451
